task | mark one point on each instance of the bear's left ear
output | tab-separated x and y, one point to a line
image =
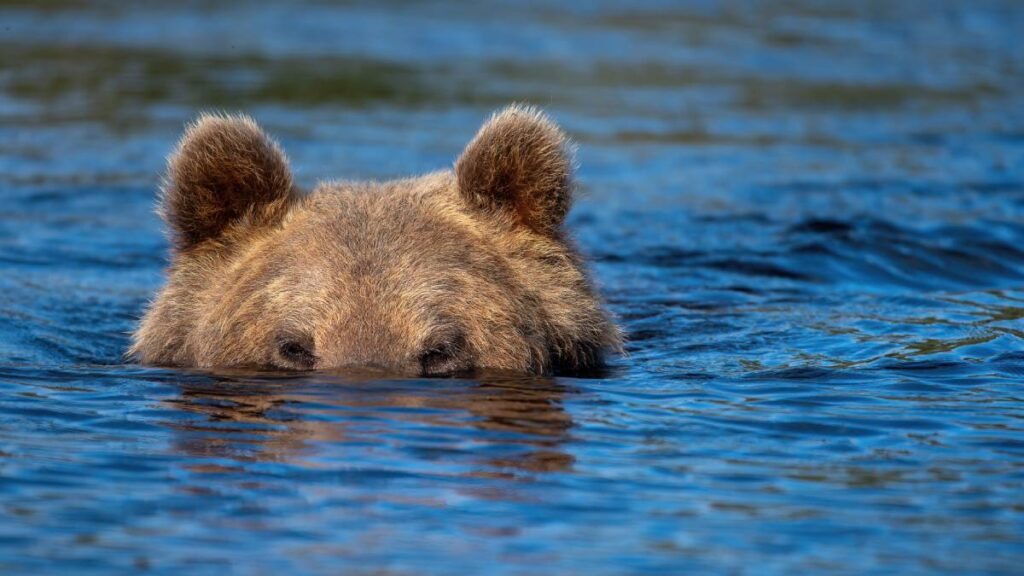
519	165
226	171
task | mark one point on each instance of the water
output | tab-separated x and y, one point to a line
809	217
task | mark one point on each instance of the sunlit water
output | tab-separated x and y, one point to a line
808	216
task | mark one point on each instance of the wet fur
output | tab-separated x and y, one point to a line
439	274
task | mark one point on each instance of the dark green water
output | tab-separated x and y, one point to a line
809	217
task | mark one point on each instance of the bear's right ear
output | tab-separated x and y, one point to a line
225	171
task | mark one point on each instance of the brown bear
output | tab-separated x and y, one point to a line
440	274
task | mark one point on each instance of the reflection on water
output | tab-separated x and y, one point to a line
515	423
808	215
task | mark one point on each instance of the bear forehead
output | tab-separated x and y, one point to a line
400	240
410	223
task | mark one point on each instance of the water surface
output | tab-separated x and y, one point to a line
809	217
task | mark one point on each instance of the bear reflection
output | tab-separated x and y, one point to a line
499	425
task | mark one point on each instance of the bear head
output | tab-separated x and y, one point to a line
440	274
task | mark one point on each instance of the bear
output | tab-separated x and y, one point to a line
448	273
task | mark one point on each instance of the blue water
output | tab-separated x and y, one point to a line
808	216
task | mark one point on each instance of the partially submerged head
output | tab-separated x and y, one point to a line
434	275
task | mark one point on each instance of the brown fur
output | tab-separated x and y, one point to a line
225	170
438	274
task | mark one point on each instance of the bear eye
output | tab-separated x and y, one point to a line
444	358
296	352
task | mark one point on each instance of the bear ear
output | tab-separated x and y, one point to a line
224	171
519	165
